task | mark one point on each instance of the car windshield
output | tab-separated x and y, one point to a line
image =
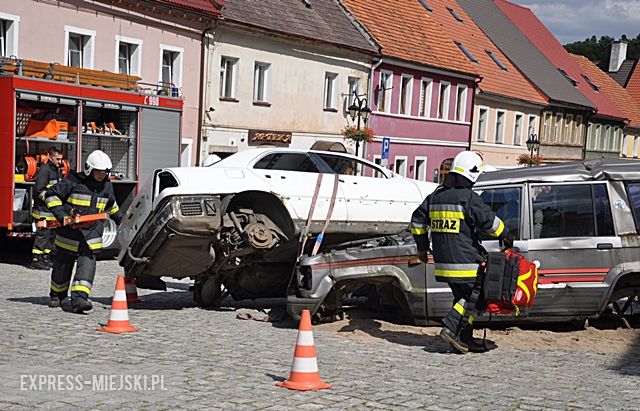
348	166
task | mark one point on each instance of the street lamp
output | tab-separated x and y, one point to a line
359	109
533	144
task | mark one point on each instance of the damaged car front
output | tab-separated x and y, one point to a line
236	225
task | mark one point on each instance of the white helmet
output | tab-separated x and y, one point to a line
97	160
468	164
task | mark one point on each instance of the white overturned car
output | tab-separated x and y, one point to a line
239	222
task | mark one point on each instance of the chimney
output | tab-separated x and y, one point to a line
618	55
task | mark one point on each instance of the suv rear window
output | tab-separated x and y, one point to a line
579	210
634	197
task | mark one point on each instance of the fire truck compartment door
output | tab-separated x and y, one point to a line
159	141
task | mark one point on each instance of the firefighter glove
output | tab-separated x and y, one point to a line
423	256
507	240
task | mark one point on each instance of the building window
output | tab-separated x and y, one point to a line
569	78
556	128
636	146
425	97
420	169
9	34
595	137
79	47
261	74
482	124
517	130
354	90
625	145
606	140
499	137
466	52
591	83
400	165
443	100
577	135
532	126
461	102
330	91
128	56
171	67
228	77
567	135
384	93
546	127
496	60
406	92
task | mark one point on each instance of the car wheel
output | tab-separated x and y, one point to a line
207	292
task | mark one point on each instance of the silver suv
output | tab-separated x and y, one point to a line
580	221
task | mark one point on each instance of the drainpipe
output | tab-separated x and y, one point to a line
204	66
370	100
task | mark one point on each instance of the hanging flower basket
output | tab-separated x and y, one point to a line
529	160
352	133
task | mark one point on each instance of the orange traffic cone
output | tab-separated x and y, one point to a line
119	315
304	370
132	292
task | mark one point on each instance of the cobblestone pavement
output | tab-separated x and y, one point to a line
199	358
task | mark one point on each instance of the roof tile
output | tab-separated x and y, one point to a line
509	82
633	85
548	45
207	6
619	95
409	32
324	20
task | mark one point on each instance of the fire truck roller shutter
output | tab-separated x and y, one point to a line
159	141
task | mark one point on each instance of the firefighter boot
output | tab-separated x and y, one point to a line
55	301
80	305
475	345
38	263
454	340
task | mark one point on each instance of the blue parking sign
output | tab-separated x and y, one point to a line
386	143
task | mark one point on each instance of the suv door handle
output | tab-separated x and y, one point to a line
605	246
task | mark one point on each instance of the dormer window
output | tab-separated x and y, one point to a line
569	79
466	52
455	14
591	83
425	5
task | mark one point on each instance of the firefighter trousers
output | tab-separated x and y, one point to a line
62	270
465	305
43	244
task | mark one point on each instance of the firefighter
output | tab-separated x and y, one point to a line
89	192
454	215
48	174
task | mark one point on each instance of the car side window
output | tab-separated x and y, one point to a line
287	162
634	198
580	210
505	202
348	166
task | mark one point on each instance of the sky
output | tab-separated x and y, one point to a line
575	20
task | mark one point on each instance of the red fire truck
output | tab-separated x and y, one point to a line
46	105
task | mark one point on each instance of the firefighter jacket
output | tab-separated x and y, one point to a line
81	195
46	177
454	216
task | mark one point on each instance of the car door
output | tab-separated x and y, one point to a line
294	175
573	236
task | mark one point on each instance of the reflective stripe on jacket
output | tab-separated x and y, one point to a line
453	216
82	195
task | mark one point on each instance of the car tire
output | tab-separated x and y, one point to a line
207	292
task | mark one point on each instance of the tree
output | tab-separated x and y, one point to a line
599	50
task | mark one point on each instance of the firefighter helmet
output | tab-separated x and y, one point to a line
97	160
468	164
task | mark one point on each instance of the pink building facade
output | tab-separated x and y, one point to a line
159	44
425	113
